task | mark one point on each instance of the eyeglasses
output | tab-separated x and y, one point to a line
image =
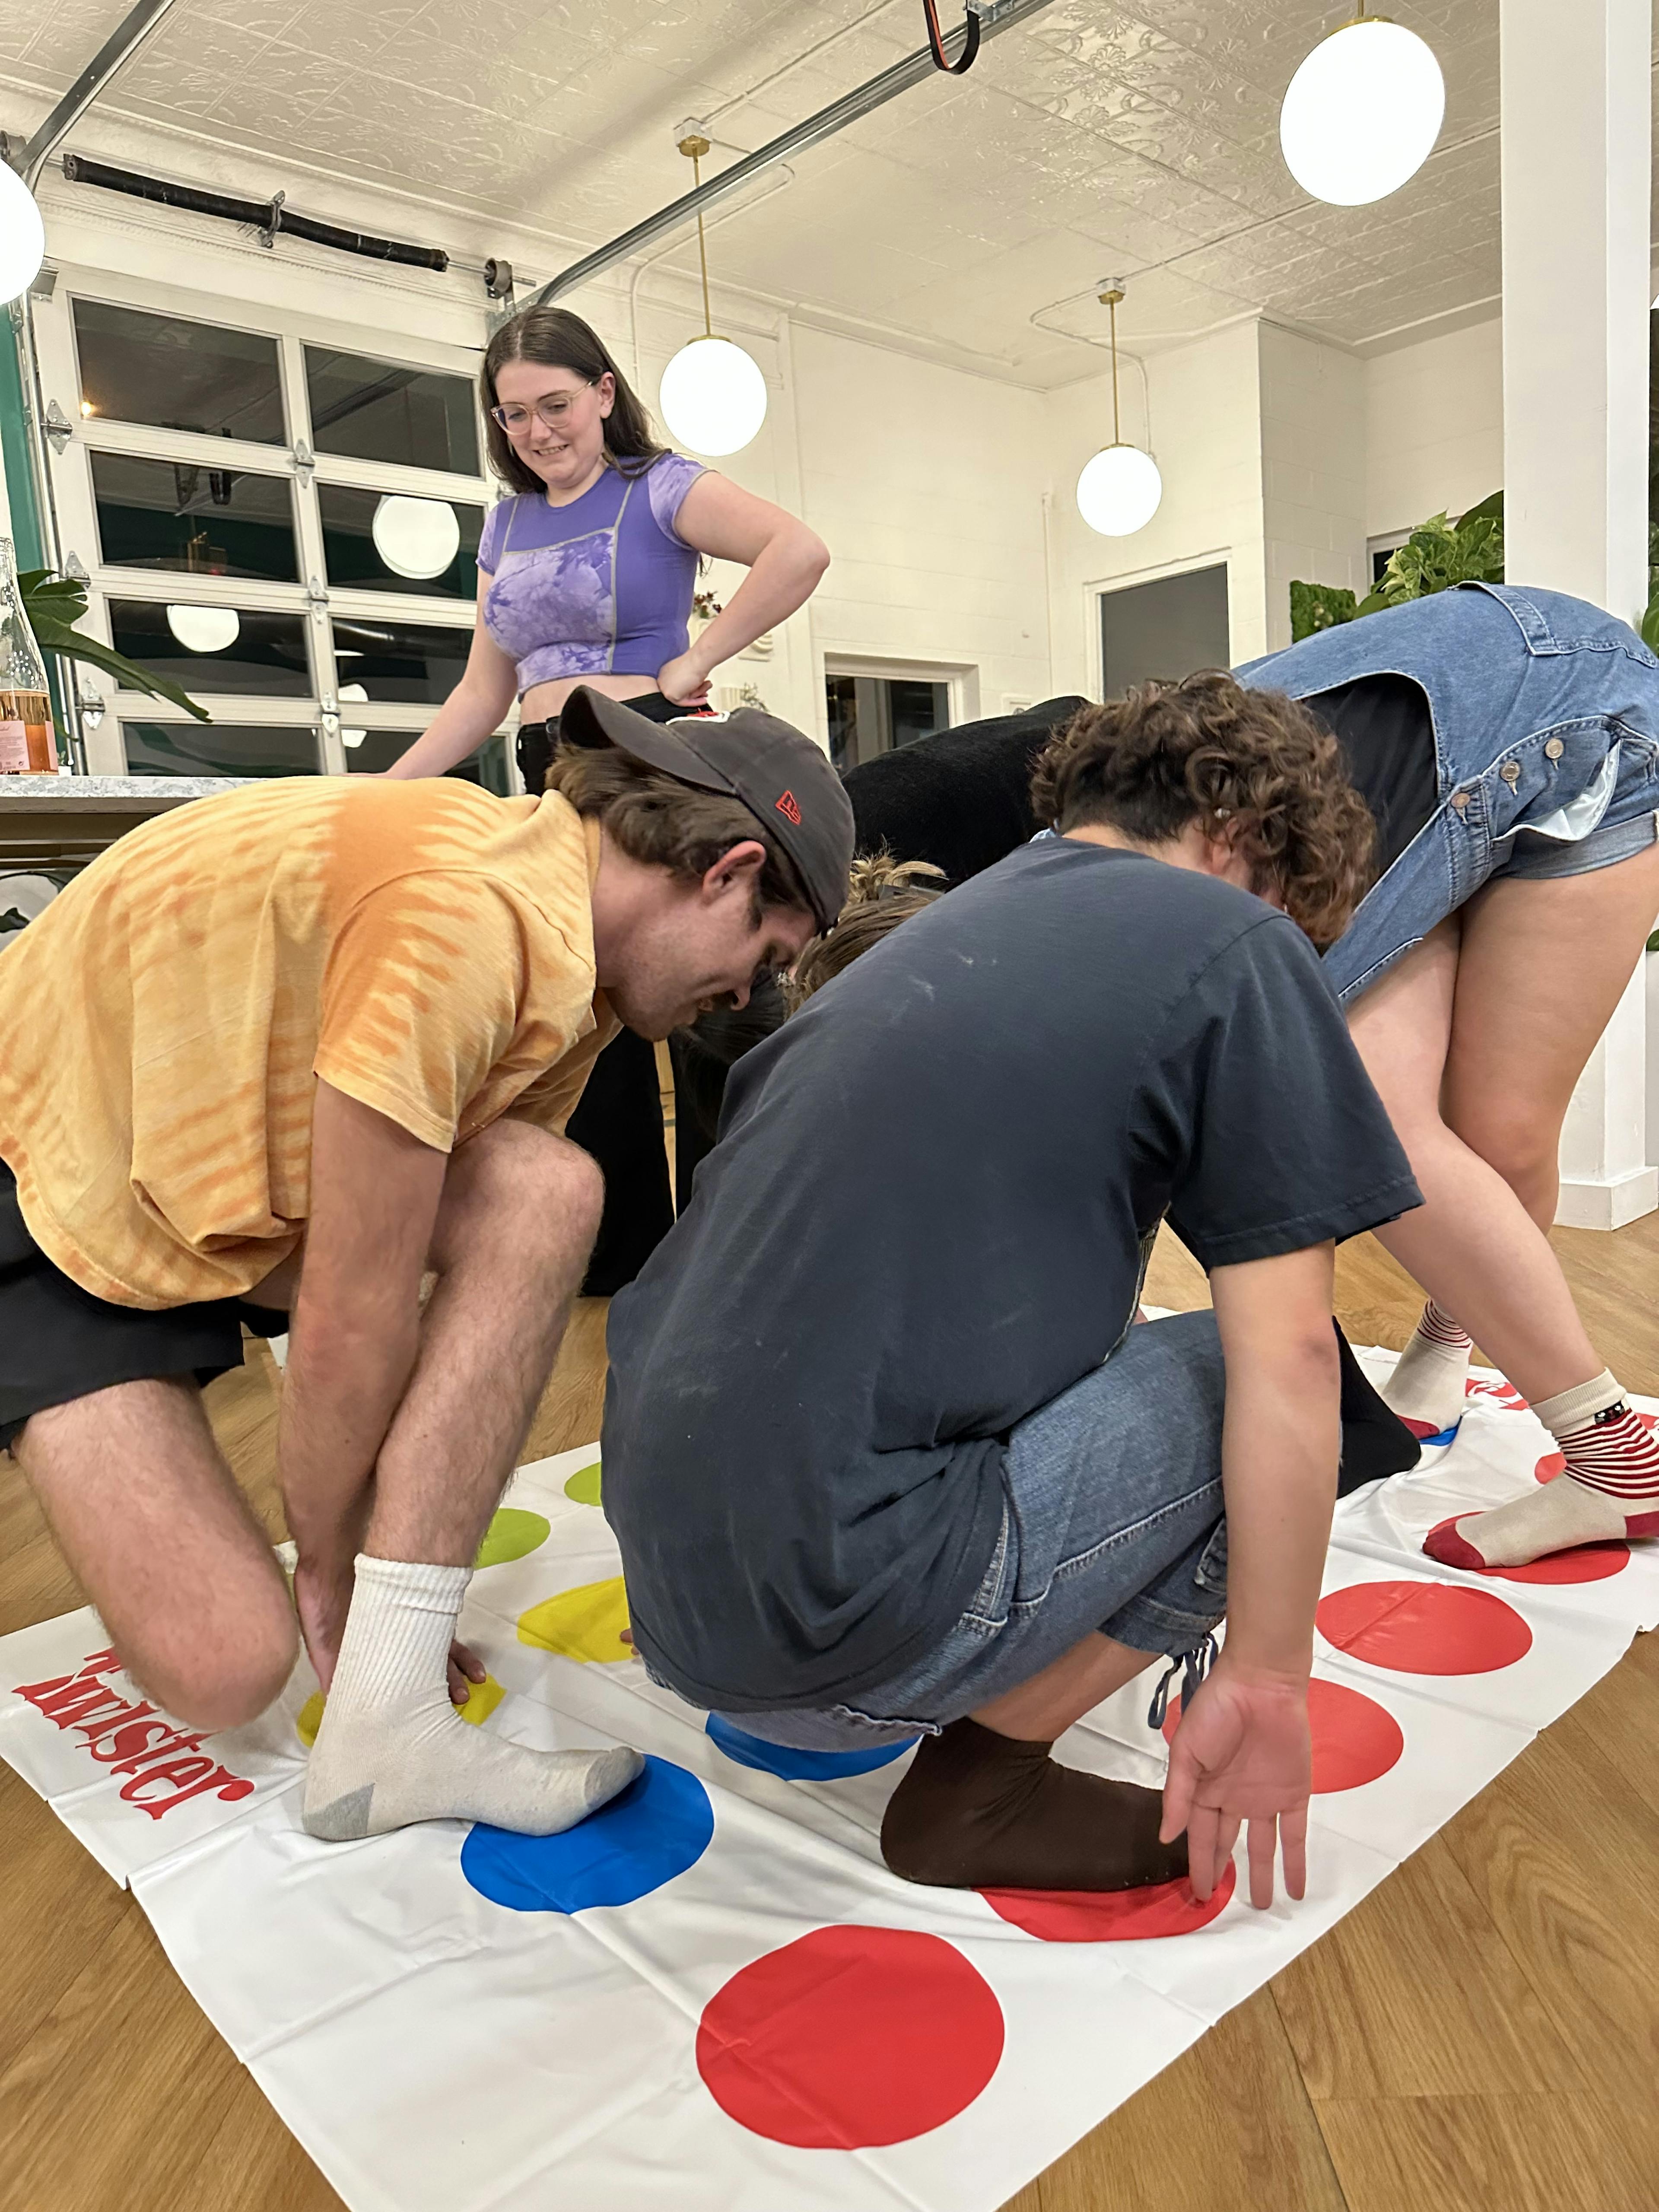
554	408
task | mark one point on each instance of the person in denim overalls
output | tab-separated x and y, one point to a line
1478	974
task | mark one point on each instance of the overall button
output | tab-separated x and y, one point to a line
1554	750
1460	800
1510	772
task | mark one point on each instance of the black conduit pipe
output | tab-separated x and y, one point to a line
268	215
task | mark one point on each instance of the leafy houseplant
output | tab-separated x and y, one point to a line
54	603
1439	554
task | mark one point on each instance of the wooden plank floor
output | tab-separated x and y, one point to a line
1481	2035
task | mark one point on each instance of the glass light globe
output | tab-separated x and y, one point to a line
713	396
1119	490
22	235
415	537
1361	112
204	629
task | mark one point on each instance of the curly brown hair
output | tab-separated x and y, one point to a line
1208	750
657	819
881	892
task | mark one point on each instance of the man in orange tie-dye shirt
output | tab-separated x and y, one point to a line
296	1047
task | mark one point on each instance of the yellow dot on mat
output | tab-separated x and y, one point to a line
583	1487
584	1624
482	1701
511	1535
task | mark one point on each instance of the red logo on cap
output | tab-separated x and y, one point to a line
789	808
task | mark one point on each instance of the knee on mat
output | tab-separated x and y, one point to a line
224	1682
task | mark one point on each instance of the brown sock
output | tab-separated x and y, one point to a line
982	1811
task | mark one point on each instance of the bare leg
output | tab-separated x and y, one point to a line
1540	972
150	1519
1472	1244
1069	1686
983	1806
519	1212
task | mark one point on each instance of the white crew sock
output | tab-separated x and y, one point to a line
1610	1488
392	1749
1426	1389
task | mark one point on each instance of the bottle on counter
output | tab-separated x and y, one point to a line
28	745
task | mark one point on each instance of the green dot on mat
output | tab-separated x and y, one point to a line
510	1536
584	1486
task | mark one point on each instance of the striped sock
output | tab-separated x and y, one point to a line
1426	1389
1610	1488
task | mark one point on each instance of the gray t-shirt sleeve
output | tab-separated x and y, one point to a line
1273	1135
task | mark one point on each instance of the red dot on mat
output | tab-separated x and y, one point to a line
1550	1466
1423	1628
850	2038
1355	1740
1583	1563
1504	1394
1122	1916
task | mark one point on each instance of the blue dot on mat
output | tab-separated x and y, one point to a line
800	1765
659	1826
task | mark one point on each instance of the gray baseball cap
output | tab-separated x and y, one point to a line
783	778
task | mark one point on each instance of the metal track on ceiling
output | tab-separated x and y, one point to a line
994	17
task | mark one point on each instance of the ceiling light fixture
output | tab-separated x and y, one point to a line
22	235
204	629
1363	113
713	394
418	538
1120	488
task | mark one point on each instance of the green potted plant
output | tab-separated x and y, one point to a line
54	603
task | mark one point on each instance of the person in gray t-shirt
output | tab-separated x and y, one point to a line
883	1453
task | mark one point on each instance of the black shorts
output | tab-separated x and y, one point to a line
57	1342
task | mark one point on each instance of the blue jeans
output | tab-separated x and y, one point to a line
1111	1520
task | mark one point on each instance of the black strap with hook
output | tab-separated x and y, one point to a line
936	42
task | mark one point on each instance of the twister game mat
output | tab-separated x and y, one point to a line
711	1996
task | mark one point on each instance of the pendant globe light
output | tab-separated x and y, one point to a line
1118	492
1361	112
22	235
713	394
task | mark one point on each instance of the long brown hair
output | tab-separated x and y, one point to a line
1208	750
557	339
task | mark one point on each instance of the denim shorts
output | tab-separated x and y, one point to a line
1535	860
1111	1520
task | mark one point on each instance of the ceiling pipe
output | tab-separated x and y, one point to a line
116	51
995	16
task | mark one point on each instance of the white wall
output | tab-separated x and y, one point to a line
1196	409
1434	427
926	484
1313	470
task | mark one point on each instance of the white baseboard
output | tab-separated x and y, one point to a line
1609	1203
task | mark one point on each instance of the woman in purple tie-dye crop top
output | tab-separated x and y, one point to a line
588	572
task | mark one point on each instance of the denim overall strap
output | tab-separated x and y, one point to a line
1533	698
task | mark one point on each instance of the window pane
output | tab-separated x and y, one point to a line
218	749
367	752
215	648
842	697
375	410
916	710
175	375
412	534
406	661
205	522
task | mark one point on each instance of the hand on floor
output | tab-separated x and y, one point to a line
465	1667
1242	1754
